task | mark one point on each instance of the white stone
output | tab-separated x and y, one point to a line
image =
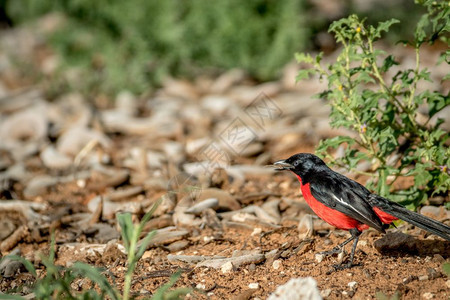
297	289
256	231
253	286
325	293
352	284
227	267
319	257
276	264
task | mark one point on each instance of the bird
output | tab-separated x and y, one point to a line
346	204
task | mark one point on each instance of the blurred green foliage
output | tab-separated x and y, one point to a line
134	44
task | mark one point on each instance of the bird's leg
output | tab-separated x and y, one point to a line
338	248
355	236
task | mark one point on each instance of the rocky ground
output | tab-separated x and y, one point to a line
235	228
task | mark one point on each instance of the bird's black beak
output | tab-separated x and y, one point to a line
282	165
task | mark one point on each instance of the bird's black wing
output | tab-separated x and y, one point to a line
344	195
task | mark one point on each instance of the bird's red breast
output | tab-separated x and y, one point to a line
336	218
328	214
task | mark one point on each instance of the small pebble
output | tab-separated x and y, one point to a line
325	293
227	267
352	284
409	279
367	274
319	257
253	286
428	295
438	258
81	183
423	277
447	283
327	242
276	264
256	231
200	286
208	239
251	267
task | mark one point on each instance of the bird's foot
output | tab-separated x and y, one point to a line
342	266
335	250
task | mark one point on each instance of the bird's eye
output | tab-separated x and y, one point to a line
296	163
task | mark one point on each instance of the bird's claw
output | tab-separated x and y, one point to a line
341	266
335	250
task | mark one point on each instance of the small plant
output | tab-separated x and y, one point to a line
57	282
382	112
135	249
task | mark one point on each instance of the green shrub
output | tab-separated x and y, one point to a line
382	111
134	44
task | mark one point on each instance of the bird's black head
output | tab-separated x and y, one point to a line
301	164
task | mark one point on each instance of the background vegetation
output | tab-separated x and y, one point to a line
382	111
135	44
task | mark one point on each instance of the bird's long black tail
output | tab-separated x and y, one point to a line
414	218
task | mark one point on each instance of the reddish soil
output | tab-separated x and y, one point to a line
411	274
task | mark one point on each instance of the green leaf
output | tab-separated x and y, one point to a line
366	77
437	102
420	34
144	244
446	77
150	213
96	277
127	227
388	62
384	26
446	268
161	293
11	297
337	141
304	58
304	74
422	176
425	74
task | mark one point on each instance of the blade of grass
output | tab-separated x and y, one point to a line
98	278
11	297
